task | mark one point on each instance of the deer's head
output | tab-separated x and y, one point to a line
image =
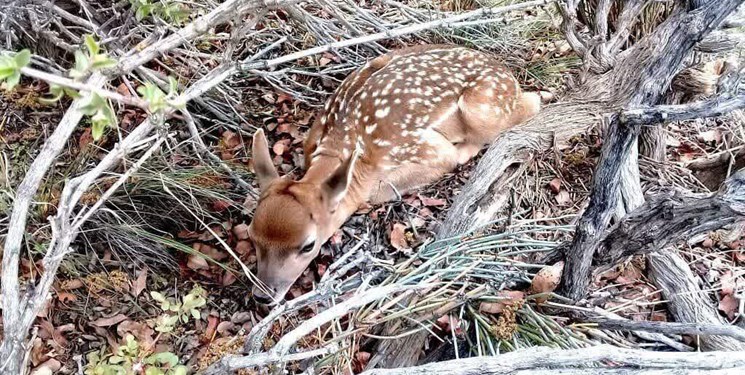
291	221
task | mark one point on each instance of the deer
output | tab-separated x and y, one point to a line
401	121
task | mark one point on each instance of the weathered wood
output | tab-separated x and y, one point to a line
666	219
543	359
486	194
686	301
673	41
674	328
713	107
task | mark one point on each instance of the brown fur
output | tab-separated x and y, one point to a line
413	115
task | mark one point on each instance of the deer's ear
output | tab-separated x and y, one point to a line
263	166
337	184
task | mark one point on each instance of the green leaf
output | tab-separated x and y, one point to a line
158	297
172	85
116	359
72	93
92	45
6	71
57	92
108	111
98	125
81	65
154	371
164	358
22	58
102	62
166	323
193	301
179	370
195	314
91	104
13	80
143	11
153	95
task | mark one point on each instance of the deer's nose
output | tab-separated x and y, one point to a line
262	298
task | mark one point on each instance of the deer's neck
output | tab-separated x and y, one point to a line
360	188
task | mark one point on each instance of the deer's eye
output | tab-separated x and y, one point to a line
307	248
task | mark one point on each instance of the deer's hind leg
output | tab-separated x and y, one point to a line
493	105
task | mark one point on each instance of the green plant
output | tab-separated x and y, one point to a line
157	100
176	311
169	11
101	112
131	358
10	67
92	61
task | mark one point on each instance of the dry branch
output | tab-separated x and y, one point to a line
686	301
673	328
541	358
716	106
640	75
14	333
281	350
666	219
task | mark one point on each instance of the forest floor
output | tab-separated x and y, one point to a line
159	250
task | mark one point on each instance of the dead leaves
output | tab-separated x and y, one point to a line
140	283
731	286
507	298
398	237
110	321
546	281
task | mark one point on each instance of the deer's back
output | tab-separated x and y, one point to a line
399	106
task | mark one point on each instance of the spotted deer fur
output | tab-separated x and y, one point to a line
401	121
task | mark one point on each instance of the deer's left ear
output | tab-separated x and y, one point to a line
337	184
263	166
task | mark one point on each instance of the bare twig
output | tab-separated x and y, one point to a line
283	346
687	303
18	314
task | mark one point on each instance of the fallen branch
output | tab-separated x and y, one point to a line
619	148
81	86
542	358
666	219
223	13
230	363
673	328
717	106
394	33
283	346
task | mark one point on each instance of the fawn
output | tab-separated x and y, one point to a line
401	121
